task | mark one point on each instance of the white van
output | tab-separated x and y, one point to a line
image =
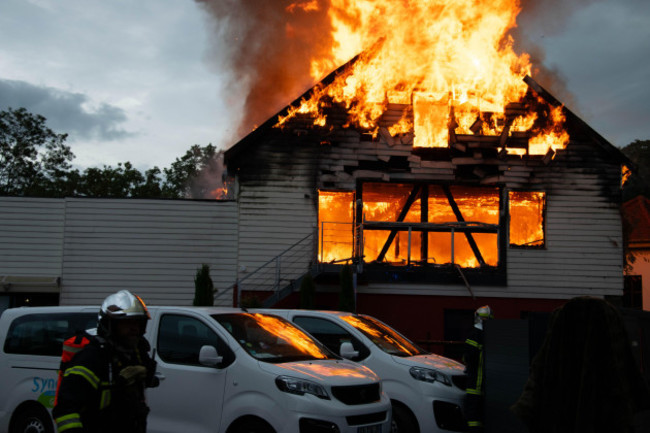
221	370
427	391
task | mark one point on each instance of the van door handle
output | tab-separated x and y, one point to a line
160	376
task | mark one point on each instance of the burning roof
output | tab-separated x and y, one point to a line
449	71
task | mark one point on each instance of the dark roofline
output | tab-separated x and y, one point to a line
242	144
605	145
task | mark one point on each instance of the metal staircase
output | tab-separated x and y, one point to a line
282	275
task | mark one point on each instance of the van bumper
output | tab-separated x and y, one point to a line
442	412
328	418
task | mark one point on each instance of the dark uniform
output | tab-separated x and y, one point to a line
474	367
475	379
94	397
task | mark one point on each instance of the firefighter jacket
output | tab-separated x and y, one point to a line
474	368
474	362
94	397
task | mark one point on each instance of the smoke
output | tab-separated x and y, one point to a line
211	182
267	47
538	20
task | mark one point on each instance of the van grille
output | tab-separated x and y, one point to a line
359	394
370	418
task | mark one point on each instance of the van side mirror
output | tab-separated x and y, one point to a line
347	350
209	357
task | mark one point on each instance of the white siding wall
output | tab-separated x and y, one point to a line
278	212
152	247
584	252
31	236
584	247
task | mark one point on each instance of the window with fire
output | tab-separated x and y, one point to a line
407	224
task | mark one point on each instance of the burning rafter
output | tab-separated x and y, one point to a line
407	206
463	79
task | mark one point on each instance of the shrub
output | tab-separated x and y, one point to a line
204	290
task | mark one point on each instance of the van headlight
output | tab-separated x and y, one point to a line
297	386
429	375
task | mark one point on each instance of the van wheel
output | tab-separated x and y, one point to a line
251	425
32	420
403	421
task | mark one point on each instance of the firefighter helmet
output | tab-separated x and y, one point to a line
118	306
483	313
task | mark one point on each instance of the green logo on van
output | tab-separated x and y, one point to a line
47	398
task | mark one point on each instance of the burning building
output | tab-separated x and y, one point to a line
433	163
441	171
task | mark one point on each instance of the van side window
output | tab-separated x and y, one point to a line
331	335
44	334
180	339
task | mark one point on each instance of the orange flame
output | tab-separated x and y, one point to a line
331	369
384	202
379	332
335	217
527	218
453	61
219	193
290	333
626	172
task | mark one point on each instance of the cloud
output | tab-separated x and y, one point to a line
66	112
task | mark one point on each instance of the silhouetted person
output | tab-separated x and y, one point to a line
584	378
474	359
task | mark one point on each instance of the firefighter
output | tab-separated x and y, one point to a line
102	386
474	367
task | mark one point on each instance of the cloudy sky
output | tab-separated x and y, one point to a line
143	80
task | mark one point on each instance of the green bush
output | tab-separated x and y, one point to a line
204	290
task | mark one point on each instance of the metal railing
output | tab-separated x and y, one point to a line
279	274
284	272
338	236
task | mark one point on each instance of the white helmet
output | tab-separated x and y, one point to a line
121	305
483	313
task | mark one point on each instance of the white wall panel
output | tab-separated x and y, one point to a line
152	247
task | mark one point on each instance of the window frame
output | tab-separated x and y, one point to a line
364	351
191	357
51	343
543	246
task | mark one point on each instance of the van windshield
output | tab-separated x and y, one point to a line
271	338
385	337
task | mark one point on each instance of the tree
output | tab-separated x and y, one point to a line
639	182
196	174
110	182
203	287
346	296
32	156
34	161
119	182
